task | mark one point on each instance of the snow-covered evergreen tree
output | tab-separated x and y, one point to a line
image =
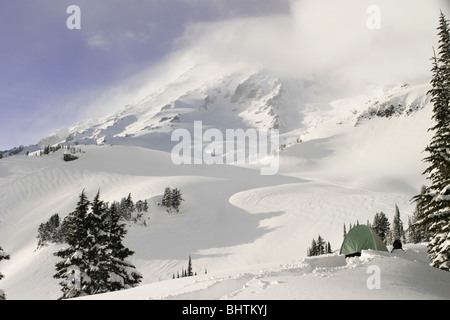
397	226
418	232
127	207
3	256
414	234
320	245
381	225
435	201
141	206
52	231
97	250
312	251
172	199
176	199
129	203
167	196
121	273
73	268
145	206
190	273
95	262
329	248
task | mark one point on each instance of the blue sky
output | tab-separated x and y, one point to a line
51	77
43	64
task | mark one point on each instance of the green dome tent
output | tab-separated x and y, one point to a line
361	238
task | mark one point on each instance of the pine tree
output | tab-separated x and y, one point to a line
329	247
413	233
167	196
3	256
127	207
190	273
43	234
381	225
313	249
435	201
418	231
97	250
320	245
52	231
74	266
129	203
94	261
397	225
388	238
176	199
121	273
140	206
171	199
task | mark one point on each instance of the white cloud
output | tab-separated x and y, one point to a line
138	37
97	41
327	39
119	39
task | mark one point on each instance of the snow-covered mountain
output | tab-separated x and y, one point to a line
240	100
232	101
341	160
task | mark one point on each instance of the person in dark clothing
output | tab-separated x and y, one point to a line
397	245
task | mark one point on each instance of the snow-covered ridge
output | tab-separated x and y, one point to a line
404	100
259	100
248	99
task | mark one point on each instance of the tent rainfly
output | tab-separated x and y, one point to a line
361	238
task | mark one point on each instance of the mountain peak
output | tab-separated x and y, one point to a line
239	100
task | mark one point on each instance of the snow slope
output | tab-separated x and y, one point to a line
249	232
401	275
